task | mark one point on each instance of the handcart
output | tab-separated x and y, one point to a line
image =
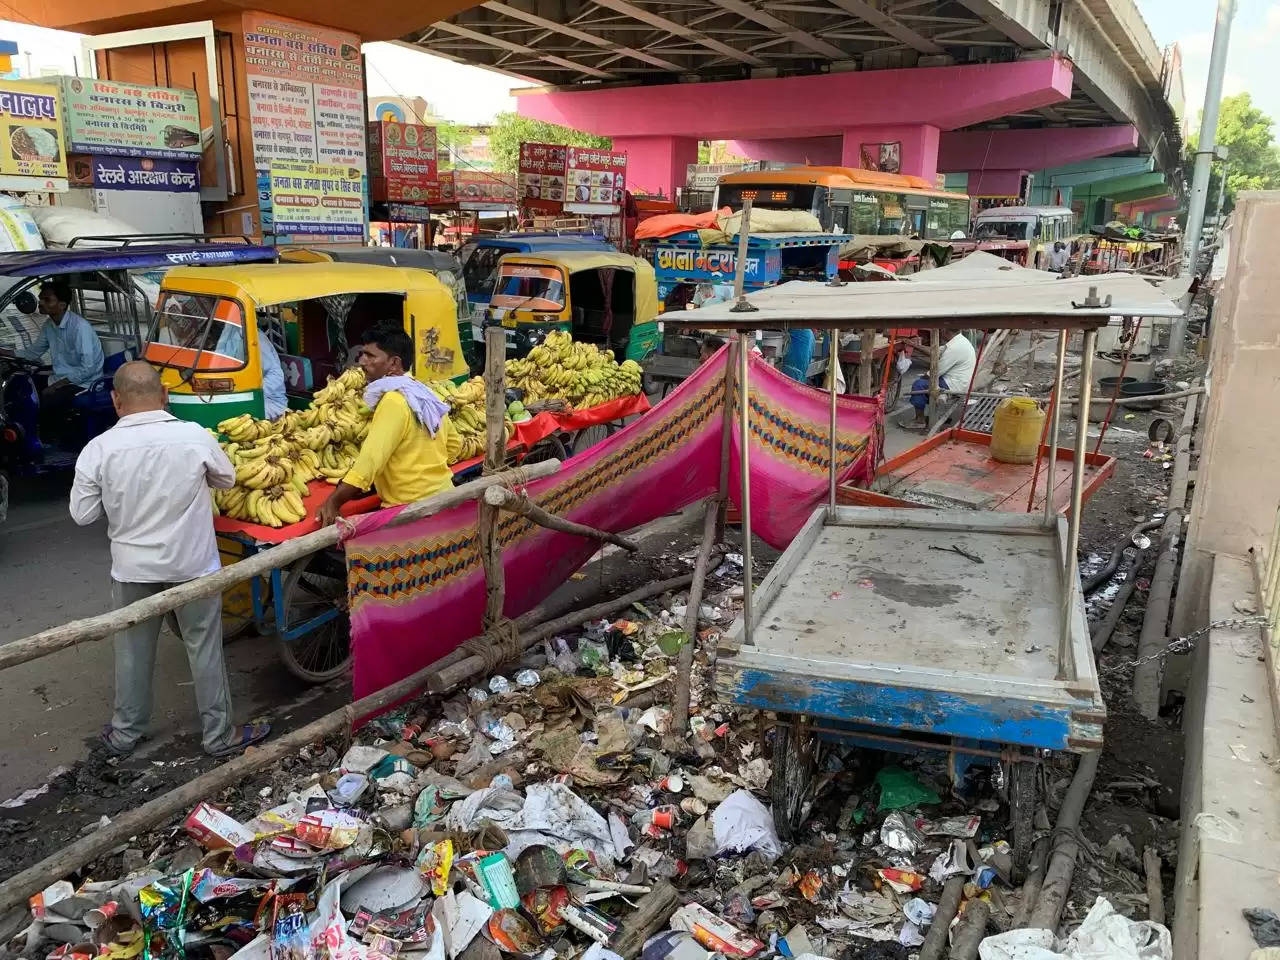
960	631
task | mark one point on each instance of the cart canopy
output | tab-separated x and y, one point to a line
1004	302
42	263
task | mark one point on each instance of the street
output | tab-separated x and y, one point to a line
54	572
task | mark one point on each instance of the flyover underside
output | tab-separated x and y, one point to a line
572	43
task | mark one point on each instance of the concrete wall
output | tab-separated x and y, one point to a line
1237	491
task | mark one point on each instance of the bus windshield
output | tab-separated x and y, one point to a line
197	331
1002	229
802	197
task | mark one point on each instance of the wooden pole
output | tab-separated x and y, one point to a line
514	502
1155	888
866	361
934	354
935	941
105	624
461	670
684	666
15	890
1062	860
652	912
495	449
970	931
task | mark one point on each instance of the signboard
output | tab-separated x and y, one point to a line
402	162
136	173
407	213
705	176
577	179
306	93
477	190
716	265
31	145
315	199
543	168
130	120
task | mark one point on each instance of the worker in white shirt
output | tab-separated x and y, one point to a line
1058	258
956	364
150	475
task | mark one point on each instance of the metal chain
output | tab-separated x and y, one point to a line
1181	645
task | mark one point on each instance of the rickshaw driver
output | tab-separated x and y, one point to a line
411	441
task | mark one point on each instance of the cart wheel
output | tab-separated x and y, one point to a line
794	749
234	624
549	448
314	586
1023	781
588	437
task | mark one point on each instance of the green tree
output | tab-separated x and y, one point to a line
1253	158
510	130
448	135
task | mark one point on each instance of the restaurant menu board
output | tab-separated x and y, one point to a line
130	120
478	190
31	144
306	93
555	178
542	176
314	199
402	162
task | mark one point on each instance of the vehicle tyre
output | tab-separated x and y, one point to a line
234	625
315	585
548	448
1023	780
794	755
588	437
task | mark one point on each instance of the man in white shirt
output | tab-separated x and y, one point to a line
150	475
1058	258
956	364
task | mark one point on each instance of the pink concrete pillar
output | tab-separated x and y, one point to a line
917	147
802	151
657	165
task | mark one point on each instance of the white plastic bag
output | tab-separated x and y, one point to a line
742	823
1104	935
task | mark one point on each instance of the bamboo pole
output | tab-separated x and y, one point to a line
866	360
1062	860
495	448
513	502
105	624
684	666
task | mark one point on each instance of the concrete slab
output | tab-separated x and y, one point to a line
1229	853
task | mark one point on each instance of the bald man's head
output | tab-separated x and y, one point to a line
136	388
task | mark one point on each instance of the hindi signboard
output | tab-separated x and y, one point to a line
32	156
542	176
556	178
478	190
136	173
129	119
315	199
402	162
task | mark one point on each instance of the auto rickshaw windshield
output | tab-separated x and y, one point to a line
529	287
197	331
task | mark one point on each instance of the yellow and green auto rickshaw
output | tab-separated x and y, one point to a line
208	325
599	296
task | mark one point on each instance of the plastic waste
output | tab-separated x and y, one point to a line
1104	935
900	789
742	823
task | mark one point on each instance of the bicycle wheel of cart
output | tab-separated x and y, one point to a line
548	448
1023	780
237	611
794	754
315	593
588	437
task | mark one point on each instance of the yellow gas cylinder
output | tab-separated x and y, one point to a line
1016	430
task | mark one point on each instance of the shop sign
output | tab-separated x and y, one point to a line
31	146
130	120
306	93
478	190
407	213
136	173
402	162
705	176
697	265
313	199
554	178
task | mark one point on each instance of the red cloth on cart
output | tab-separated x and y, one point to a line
527	434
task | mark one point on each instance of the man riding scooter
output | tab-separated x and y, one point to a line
75	354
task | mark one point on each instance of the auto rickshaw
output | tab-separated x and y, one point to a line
205	337
601	297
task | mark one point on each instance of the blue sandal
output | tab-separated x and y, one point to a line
250	734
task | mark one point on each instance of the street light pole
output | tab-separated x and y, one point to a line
1204	154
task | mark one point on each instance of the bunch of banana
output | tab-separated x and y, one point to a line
350	383
275	506
245	429
263	472
336	460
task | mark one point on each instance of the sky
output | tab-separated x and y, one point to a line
472	95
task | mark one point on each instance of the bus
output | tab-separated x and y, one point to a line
1026	234
849	200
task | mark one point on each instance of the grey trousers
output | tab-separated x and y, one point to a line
201	625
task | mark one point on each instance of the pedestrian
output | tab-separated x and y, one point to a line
150	475
74	352
956	364
1058	258
406	454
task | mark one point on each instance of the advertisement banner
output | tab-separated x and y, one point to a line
677	263
478	190
402	162
31	144
315	200
136	173
306	93
596	177
130	120
542	176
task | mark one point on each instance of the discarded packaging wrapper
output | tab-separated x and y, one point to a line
714	933
215	830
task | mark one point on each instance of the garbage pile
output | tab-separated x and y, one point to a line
551	812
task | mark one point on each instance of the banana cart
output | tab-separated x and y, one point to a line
958	631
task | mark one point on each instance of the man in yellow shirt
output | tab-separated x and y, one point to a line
411	441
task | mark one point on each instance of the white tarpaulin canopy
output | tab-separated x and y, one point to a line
981	267
999	300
